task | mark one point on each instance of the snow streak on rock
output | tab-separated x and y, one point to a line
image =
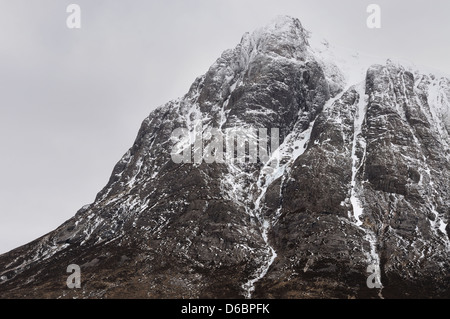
293	146
359	145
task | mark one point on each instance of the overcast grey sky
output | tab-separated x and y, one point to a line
71	101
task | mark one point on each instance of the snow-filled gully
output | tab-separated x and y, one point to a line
298	142
372	256
293	147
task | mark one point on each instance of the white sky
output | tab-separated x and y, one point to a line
71	101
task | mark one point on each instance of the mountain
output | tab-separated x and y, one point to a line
360	181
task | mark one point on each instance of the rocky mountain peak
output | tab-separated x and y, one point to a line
359	181
283	36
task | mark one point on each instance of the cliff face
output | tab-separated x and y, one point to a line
360	178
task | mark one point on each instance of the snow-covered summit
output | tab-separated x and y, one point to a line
283	36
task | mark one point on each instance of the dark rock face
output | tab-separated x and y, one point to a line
360	178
